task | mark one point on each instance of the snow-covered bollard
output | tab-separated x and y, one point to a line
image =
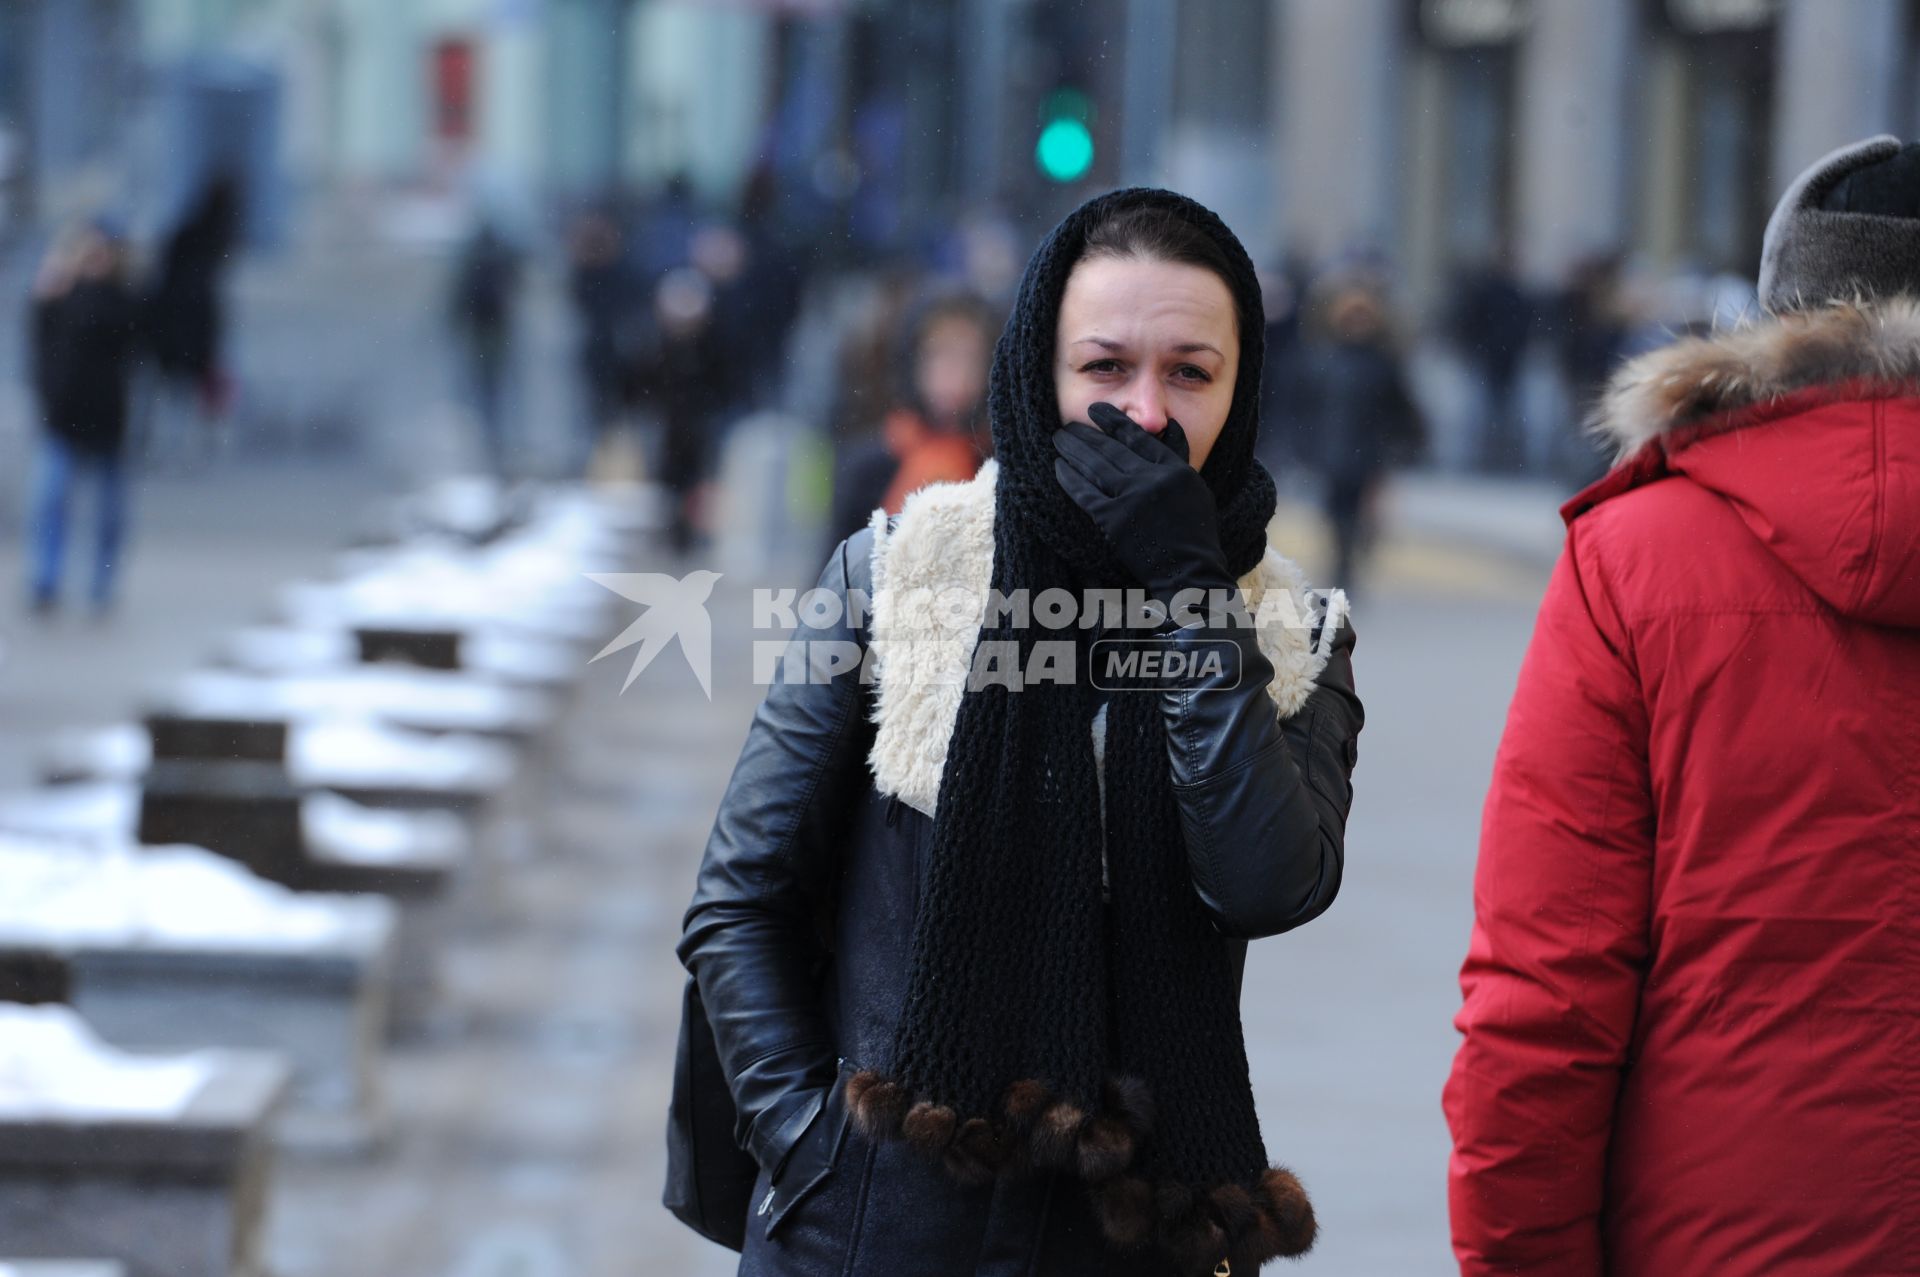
507	809
227	736
248	812
406	703
417	699
174	947
407	700
160	1163
366	761
323	842
478	778
478	649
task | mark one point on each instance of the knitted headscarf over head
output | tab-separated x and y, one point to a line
1048	1023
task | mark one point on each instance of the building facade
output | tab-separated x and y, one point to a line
1452	131
1441	132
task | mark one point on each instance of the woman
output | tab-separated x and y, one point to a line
972	954
1349	389
486	285
187	321
680	377
937	429
602	289
84	331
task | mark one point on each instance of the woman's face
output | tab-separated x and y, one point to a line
96	257
1155	339
1356	316
952	368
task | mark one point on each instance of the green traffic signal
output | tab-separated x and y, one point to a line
1065	150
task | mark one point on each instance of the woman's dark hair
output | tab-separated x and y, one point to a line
942	306
1162	234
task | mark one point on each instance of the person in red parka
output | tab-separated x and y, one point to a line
1692	992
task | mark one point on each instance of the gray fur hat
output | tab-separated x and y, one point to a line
1849	224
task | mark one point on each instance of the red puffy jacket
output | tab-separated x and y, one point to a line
1692	993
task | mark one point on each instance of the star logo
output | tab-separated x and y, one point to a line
676	608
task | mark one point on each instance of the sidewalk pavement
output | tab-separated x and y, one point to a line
1514	517
1467	536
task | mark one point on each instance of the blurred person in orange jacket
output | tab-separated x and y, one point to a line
937	430
940	432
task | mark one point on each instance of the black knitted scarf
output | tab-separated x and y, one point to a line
1047	1027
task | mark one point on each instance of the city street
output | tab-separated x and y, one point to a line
365	367
528	1129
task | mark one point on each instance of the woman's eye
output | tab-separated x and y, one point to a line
1185	372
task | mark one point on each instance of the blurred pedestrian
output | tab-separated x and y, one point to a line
867	366
1284	290
865	386
667	224
681	378
602	290
757	288
84	332
1491	320
186	321
1348	391
937	429
1691	991
1592	335
969	957
486	282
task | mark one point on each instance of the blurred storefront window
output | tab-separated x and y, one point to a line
1464	99
15	176
1714	84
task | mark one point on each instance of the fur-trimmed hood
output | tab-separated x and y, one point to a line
1844	347
932	574
1808	424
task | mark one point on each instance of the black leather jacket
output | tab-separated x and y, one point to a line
799	926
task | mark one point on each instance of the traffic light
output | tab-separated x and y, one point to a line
1065	149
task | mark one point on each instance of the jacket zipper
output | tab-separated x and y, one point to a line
767	1201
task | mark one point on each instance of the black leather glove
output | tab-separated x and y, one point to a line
1156	510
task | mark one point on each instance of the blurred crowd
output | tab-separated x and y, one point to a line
688	318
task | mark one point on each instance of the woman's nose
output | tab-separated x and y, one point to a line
1146	403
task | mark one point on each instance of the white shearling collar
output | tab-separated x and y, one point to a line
922	651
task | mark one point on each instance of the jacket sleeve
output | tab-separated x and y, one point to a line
1552	976
1263	801
752	936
